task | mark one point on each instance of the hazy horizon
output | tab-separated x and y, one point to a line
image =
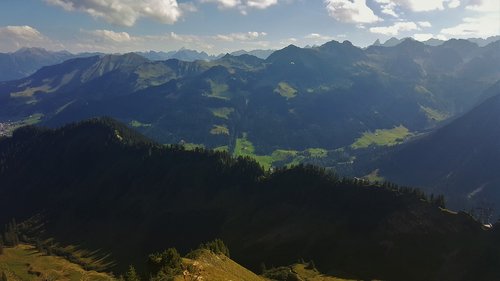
224	26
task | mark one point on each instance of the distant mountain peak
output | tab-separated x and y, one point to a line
393	41
347	42
128	58
460	42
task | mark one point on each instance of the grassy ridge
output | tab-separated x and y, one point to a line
212	267
300	271
25	263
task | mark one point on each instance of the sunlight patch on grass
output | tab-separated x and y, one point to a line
211	267
224	148
219	90
310	274
245	148
219	130
222	112
374	176
422	90
137	124
192	146
285	90
25	263
317	152
283	155
30	91
434	114
385	137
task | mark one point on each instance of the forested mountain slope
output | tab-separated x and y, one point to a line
102	186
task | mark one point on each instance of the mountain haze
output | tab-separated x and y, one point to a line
26	61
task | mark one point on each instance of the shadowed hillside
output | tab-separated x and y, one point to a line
459	160
102	186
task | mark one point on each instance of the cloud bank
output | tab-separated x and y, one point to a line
124	12
351	11
242	5
15	37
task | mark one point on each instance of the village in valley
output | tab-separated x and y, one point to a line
6	128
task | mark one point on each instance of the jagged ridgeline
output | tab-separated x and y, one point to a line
101	186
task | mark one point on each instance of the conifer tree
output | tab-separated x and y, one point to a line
39	246
11	235
217	247
132	275
263	268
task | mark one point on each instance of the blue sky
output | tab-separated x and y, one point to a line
218	26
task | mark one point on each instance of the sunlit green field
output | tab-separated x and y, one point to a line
24	263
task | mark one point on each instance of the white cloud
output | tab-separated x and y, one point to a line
112	35
124	12
422	36
224	3
395	29
388	7
351	11
24	32
248	36
261	4
286	42
424	24
15	37
242	5
441	37
454	4
484	5
422	5
109	41
188	7
482	26
485	23
319	37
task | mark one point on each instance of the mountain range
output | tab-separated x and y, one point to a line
393	41
334	105
193	55
325	97
26	61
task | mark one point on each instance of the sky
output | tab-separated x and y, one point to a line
220	26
